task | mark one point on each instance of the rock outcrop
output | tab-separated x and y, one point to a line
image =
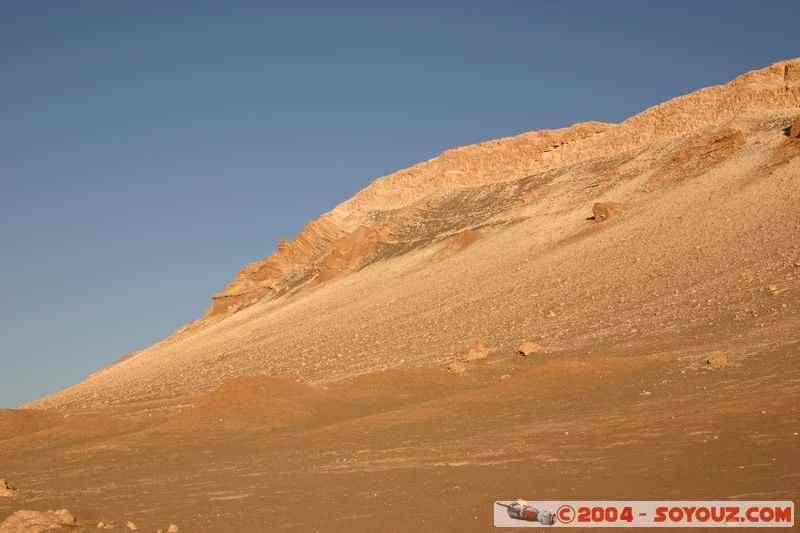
346	238
27	521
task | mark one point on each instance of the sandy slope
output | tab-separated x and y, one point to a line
669	329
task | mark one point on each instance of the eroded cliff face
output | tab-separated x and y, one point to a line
290	266
371	224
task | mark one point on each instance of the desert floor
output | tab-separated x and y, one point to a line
426	449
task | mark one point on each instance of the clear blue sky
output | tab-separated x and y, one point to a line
150	149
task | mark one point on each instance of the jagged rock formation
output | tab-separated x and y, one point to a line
492	241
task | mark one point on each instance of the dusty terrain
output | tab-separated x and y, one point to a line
656	262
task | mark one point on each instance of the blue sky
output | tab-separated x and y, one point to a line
150	149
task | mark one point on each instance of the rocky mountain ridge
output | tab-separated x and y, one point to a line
327	247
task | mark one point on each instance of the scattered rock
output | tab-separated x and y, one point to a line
7	490
528	348
604	211
457	368
476	352
713	361
173	529
130	525
23	521
645	393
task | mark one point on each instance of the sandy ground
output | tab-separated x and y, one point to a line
424	449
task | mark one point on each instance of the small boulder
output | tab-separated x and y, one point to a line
6	490
130	525
173	529
603	211
794	129
717	360
528	348
476	352
774	289
457	368
505	377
